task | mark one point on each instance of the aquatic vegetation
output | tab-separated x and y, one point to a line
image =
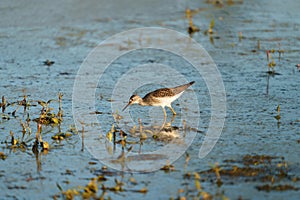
122	136
192	28
211	26
47	117
195	190
110	134
97	189
271	62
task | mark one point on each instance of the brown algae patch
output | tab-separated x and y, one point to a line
269	187
271	170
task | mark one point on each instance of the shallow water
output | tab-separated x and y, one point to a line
30	33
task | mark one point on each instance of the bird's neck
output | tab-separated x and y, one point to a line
142	102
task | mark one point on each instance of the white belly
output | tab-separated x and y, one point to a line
166	101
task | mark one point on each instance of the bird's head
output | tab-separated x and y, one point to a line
134	99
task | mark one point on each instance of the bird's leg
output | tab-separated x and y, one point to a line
173	111
165	113
165	118
172	120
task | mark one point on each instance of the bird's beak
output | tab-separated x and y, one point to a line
126	106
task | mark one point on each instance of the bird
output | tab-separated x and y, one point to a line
161	97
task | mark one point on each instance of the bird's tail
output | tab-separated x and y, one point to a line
181	88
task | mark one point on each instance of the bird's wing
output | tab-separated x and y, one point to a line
181	88
163	92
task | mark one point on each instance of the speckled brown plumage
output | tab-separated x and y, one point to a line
168	92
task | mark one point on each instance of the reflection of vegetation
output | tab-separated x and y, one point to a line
138	135
272	64
278	117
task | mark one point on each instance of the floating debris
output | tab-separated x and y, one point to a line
61	136
2	155
168	167
48	62
133	181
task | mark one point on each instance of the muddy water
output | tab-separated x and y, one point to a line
30	33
